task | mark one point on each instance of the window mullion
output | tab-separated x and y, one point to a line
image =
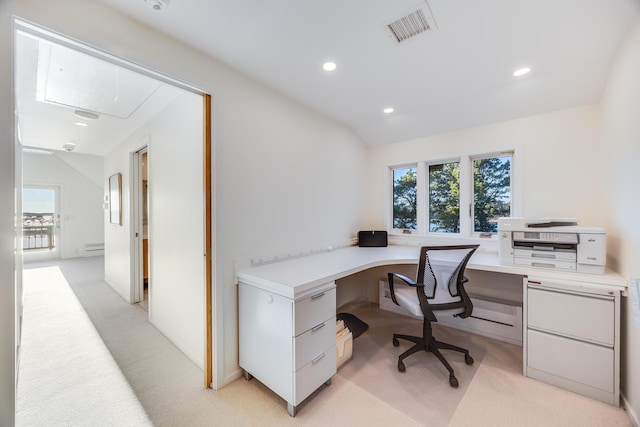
422	192
466	196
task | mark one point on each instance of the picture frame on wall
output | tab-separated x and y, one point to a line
115	199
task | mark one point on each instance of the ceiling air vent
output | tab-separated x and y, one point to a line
418	20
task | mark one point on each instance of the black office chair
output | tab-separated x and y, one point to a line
438	288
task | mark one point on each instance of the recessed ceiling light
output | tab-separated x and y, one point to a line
329	66
388	110
86	115
84	125
521	71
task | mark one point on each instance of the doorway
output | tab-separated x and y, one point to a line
41	222
176	300
140	211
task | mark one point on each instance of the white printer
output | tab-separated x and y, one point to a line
552	243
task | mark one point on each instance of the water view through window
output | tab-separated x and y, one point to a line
38	218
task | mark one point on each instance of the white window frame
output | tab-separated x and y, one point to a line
466	194
390	180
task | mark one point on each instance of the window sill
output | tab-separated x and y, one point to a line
486	244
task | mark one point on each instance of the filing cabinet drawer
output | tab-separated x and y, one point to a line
578	361
311	376
314	342
314	310
580	316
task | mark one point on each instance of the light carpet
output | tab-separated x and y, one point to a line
67	375
367	391
374	367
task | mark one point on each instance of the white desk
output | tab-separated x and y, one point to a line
271	295
296	277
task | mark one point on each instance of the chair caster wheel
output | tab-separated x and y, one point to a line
453	381
468	359
396	343
401	366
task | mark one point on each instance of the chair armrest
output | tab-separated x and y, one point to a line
401	277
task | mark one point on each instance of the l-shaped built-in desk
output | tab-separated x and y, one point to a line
571	321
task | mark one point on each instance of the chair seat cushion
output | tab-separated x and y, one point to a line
407	297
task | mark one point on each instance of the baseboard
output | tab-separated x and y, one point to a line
178	344
127	298
231	377
632	415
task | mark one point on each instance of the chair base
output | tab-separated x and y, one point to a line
431	345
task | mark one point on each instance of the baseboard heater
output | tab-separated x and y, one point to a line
499	320
93	249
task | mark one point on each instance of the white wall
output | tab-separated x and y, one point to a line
175	230
8	212
285	178
81	212
557	168
621	160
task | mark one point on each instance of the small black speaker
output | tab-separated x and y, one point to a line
372	239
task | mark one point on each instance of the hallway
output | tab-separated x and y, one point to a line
165	383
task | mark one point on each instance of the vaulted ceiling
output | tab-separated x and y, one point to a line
457	73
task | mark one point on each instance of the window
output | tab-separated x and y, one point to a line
444	198
463	196
491	192
404	198
39	219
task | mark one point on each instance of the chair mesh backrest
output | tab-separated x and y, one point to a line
441	270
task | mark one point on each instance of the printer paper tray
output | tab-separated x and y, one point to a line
546	263
546	256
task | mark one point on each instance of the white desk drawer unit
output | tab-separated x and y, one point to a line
288	345
572	337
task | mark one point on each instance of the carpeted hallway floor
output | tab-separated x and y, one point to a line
105	364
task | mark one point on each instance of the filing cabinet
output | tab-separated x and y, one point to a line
288	345
572	337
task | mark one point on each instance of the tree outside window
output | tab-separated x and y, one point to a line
485	190
444	198
404	198
491	192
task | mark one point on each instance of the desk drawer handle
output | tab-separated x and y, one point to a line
317	359
316	296
317	328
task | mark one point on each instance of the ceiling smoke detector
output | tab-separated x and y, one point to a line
157	4
417	21
69	146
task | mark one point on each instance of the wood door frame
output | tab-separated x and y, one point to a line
208	240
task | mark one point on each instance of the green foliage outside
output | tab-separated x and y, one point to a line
492	195
492	192
404	199
444	198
